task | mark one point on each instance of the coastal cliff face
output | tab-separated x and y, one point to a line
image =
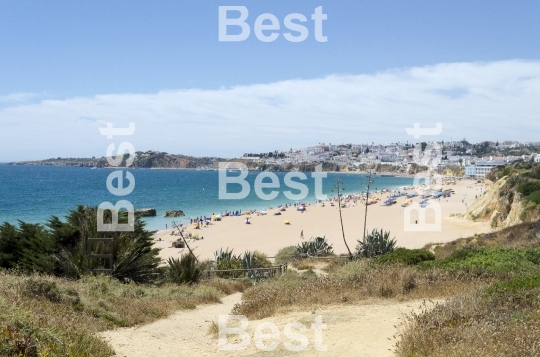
502	205
453	170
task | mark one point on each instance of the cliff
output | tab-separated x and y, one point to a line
509	200
149	159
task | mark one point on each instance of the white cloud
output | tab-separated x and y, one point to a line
494	100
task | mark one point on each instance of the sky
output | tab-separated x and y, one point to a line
68	68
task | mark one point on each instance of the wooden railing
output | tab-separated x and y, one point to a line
256	274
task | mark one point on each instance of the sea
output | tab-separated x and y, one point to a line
35	193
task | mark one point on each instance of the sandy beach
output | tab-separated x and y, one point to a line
268	233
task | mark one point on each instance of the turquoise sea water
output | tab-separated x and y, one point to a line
34	193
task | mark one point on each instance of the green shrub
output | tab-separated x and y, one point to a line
535	172
515	180
507	170
527	282
529	187
493	260
534	197
406	256
285	255
230	264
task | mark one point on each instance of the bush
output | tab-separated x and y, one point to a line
230	264
527	188
507	170
42	288
406	256
285	255
526	282
534	197
261	260
535	172
374	244
490	260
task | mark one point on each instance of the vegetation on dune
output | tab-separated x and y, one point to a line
52	304
226	260
51	316
489	260
351	282
406	256
500	320
285	255
524	235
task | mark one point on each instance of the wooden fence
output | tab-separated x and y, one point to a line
255	274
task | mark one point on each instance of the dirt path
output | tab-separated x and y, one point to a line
182	334
364	329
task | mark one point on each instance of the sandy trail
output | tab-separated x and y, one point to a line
361	329
182	334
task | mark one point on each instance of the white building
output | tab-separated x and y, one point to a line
537	158
481	168
470	171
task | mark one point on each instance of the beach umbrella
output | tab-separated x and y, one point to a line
287	221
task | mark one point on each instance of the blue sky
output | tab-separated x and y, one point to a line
68	67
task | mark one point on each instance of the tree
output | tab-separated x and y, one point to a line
134	257
61	248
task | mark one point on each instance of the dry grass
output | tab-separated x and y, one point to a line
213	330
329	264
475	324
229	287
354	281
525	235
48	316
303	265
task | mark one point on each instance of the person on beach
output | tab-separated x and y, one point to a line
302	234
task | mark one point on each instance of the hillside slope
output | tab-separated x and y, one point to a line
511	198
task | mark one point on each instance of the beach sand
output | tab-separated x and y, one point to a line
268	233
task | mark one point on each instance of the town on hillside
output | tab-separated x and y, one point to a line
466	159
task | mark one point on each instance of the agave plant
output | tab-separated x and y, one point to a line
315	247
249	260
184	270
224	255
375	243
